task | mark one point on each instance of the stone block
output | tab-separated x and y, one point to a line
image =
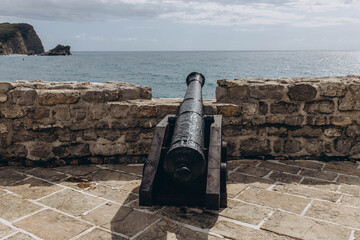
284	108
61	113
336	213
38	113
267	91
49	224
228	110
71	202
146	93
13	112
292	146
324	106
320	184
3	128
120	219
277	131
350	201
250	169
280	167
195	217
32	188
272	199
138	148
13	207
353	131
235	231
343	145
100	234
54	97
333	132
16	150
222	93
307	132
5	87
304	163
263	108
108	149
239	182
333	89
3	97
110	134
129	93
143	111
285	177
351	180
300	190
75	150
275	119
23	96
89	135
318	120
244	212
341	121
40	149
289	225
255	147
100	96
239	92
329	176
345	167
302	92
277	145
318	147
294	120
169	230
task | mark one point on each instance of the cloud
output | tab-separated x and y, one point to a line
301	13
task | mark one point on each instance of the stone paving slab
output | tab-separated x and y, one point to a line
295	199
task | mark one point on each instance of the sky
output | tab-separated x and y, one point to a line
198	25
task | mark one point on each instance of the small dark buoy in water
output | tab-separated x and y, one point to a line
23	59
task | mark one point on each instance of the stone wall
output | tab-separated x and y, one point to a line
302	117
44	123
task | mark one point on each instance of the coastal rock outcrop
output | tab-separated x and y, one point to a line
19	38
59	50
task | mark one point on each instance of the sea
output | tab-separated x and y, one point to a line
165	72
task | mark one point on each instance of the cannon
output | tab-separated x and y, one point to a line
186	165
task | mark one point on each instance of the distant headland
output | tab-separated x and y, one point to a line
21	38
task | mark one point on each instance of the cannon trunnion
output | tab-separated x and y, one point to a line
186	164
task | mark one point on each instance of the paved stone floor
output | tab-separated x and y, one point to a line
267	200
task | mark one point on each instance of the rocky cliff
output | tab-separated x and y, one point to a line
19	38
59	50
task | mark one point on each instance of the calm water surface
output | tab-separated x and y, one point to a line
165	72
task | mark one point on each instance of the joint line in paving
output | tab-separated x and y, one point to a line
142	231
306	208
352	235
87	212
115	233
273	185
265	219
39	199
10	235
7	223
29	215
83	233
268	175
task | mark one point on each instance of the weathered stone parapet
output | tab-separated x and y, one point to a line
300	117
71	123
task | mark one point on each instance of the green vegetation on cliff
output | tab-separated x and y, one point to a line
8	30
19	38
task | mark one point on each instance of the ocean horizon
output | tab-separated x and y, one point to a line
165	71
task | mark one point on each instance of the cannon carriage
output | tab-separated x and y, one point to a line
186	164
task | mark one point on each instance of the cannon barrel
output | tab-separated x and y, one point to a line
185	160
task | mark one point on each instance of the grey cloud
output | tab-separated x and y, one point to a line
225	12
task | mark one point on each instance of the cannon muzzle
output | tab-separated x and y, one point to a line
185	160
